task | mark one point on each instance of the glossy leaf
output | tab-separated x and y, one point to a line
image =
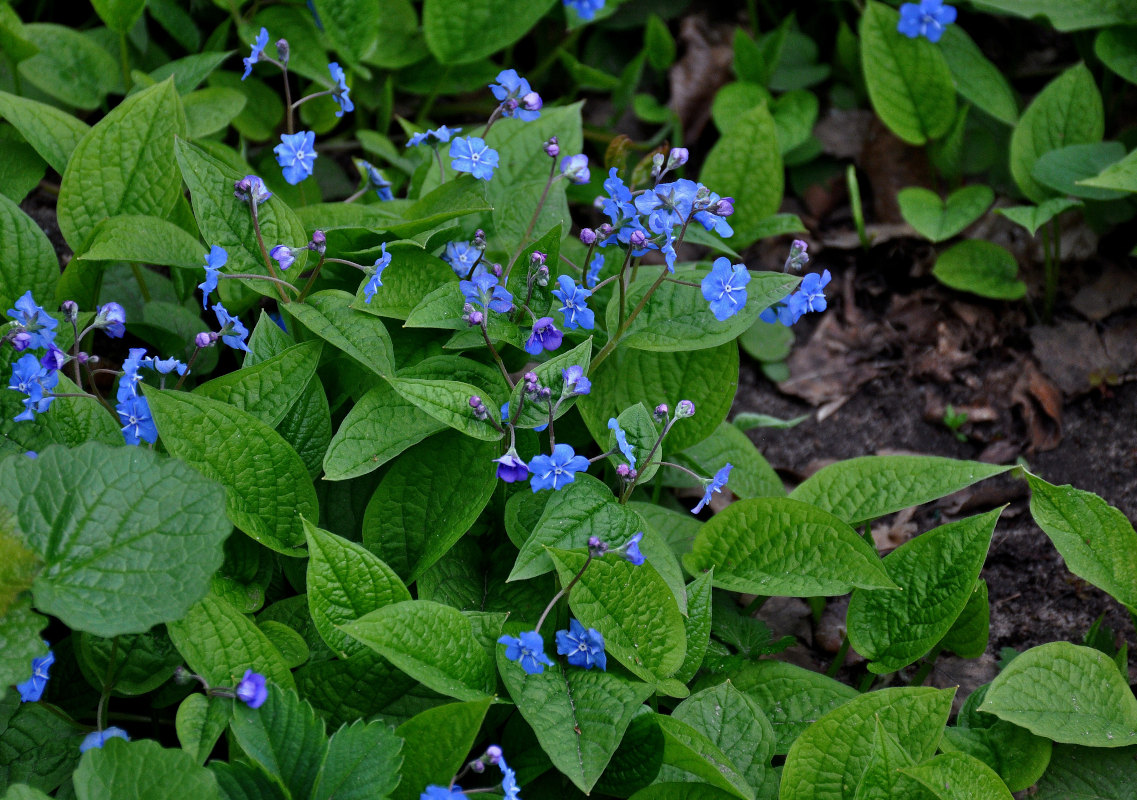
141	770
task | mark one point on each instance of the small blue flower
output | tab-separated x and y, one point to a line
574	298
631	550
711	212
441	134
510	467
575	168
341	89
715	484
53	359
37	323
575	382
251	189
622	441
258	50
33	688
111	317
473	155
484	291
214	260
232	332
252	690
375	179
434	792
786	313
557	470
283	255
618	205
508	781
128	383
164	366
724	288
528	649
296	153
461	256
585	9
668	204
545	336
376	279
583	646
927	18
594	270
517	99
137	424
812	291
97	739
31	378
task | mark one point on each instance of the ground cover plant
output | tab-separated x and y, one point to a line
373	430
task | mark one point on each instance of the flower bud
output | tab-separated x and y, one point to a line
509	107
623	470
605	230
637	239
20	340
532	102
319	243
723	207
685	408
480	239
542	276
537	259
496	270
493	754
86	358
798	256
657	163
596	546
282	50
283	255
203	339
183	676
587	236
677	157
70	310
477	766
544	393
661	412
475	401
552	148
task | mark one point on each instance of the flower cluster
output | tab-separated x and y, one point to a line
810	296
493	756
585	9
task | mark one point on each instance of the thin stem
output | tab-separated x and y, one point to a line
926	667
189	364
75	349
312	96
533	220
428	104
1049	242
611	345
104	697
685	283
441	168
351	198
311	280
494	117
124	57
264	252
142	287
287	99
348	263
95	390
562	593
672	464
647	460
754	605
839	659
494	353
254	277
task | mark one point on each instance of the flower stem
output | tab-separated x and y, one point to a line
926	667
254	277
494	353
311	280
533	220
312	96
287	100
105	695
143	289
192	358
682	468
611	345
264	253
839	659
562	593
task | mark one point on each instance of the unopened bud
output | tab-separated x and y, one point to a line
637	239
587	236
605	230
537	259
724	207
552	148
798	256
657	163
477	766
685	408
544	393
70	310
493	754
203	340
480	239
183	676
661	412
319	242
532	102
282	50
623	470
542	276
677	157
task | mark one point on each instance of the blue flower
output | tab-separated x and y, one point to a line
812	291
557	470
585	9
508	781
668	204
128	383
510	467
461	256
622	441
484	291
31	378
283	255
232	332
53	359
545	336
575	382
583	646
575	168
340	89
137	424
715	484
786	313
724	288
112	318
375	179
376	279
97	739
440	134
165	366
296	153
517	98
631	550
251	189
33	688
618	206
573	298
214	260
711	212
473	155
926	18
258	50
36	322
594	270
434	792
252	690
528	649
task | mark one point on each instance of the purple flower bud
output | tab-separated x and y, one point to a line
480	239
496	270
724	207
587	236
677	157
798	257
537	259
283	255
477	766
605	230
542	275
476	318
203	340
20	341
637	239
552	148
70	310
53	359
544	393
530	377
532	102
597	546
475	401
282	50
623	470
251	189
493	753
319	242
685	408
84	358
661	411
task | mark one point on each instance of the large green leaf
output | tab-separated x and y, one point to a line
27	262
134	548
429	497
863	489
1066	16
124	165
141	661
437	743
363	763
780	546
449	402
968	636
958	776
346	581
412	274
268	389
634	608
751	476
432	643
199	723
360	687
144	239
1067	693
579	716
977	79
447	25
1117	49
240	780
1068	111
20	626
1089	773
1067	169
549	373
236	449
141	770
1017	755
284	737
908	80
686	751
52	132
329	315
936	571
1096	540
697	626
882	778
37	746
70	66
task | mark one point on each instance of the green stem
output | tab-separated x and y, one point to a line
494	353
264	252
124	56
533	220
611	345
839	659
1049	248
311	280
142	287
562	593
754	605
926	667
104	697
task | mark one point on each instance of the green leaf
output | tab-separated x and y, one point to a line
447	25
748	420
977	79
1117	49
1121	176
428	498
659	43
828	758
124	165
437	743
20	626
460	196
735	99
1067	693
361	686
220	643
442	309
735	724
708	378
240	780
210	110
635	609
968	635
284	737
747	165
682	791
780	546
641	435
136	547
73	421
584	508
1017	755
958	776
142	661
697	626
936	571
939	220
686	750
432	643
549	373
1065	169
351	26
199	723
1066	16
637	760
412	274
908	80
37	746
363	763
329	315
146	240
677	317
752	475
400	41
27	262
267	390
141	770
1068	111
119	15
291	644
882	778
231	446
449	402
53	133
263	112
1089	773
69	66
22	791
346	581
862	489
1096	541
579	716
1034	217
191	70
982	268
